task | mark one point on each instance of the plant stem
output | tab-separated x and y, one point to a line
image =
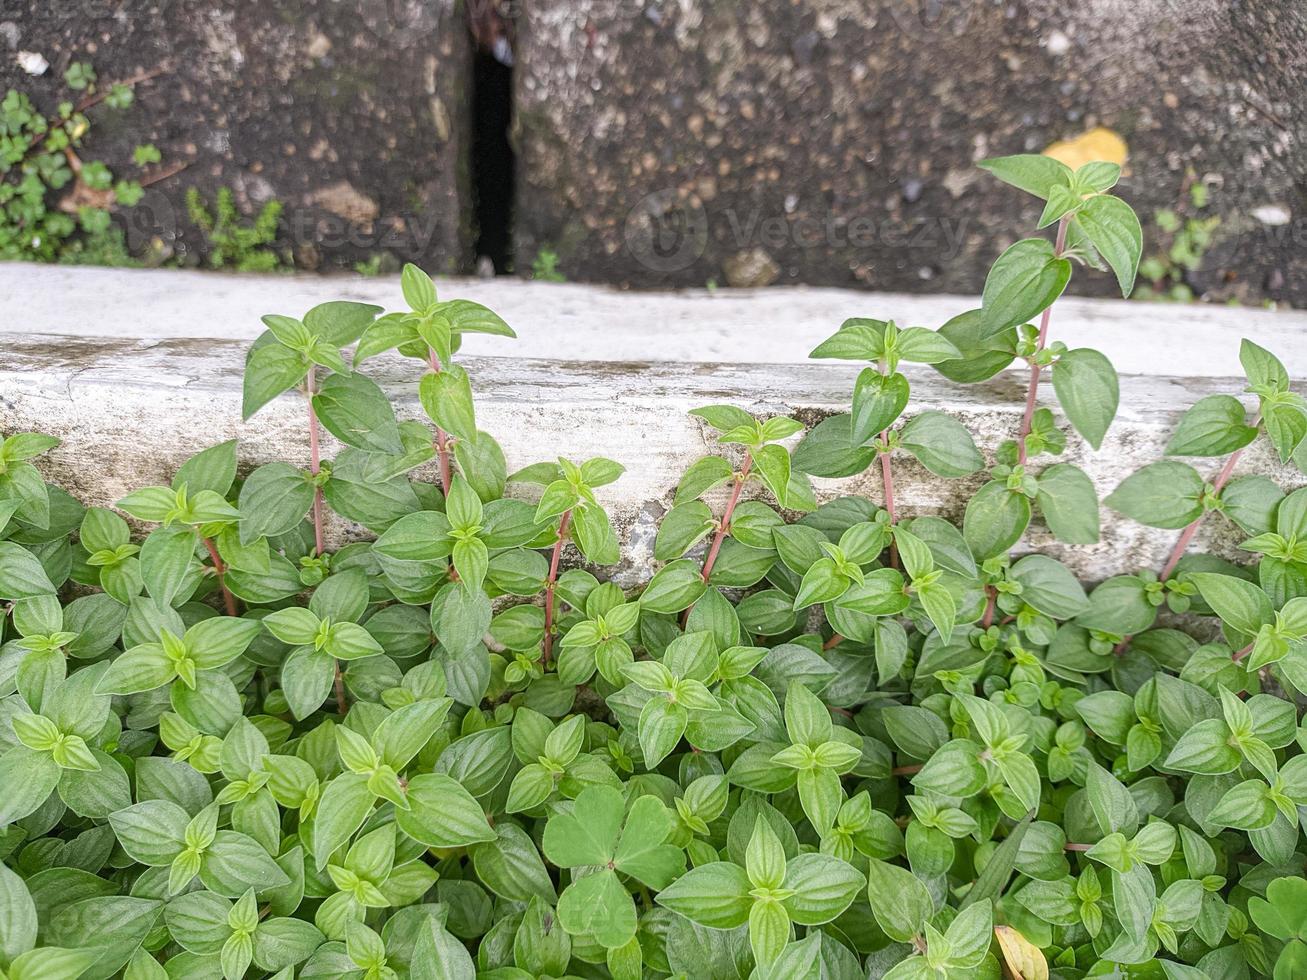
905	770
724	527
1078	847
1187	535
990	605
220	570
315	460
1033	390
341	706
551	582
442	438
1240	654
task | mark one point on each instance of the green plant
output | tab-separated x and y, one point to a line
229	241
826	739
1189	237
544	267
40	160
371	267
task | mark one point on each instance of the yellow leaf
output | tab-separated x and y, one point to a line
1024	960
1097	144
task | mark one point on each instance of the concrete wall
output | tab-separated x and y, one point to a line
352	113
834	142
625	370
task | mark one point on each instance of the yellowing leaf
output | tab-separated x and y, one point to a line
1023	959
1099	143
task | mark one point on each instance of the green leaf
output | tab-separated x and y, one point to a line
1114	230
942	444
442	813
1027	279
899	901
823	886
270	369
772	463
18	922
21	575
587	835
357	412
597	905
418	289
1049	586
1205	748
1088	391
673	587
1240	604
273	501
1069	504
662	723
345	804
998	869
1166	494
1214	426
1262	368
446	397
995	519
1033	173
714	895
340	322
878	400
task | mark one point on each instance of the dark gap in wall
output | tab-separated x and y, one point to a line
493	160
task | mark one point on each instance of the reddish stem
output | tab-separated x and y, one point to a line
315	460
990	604
341	706
551	582
1240	654
1187	535
724	527
887	480
220	570
833	642
1078	847
1033	390
887	484
442	438
905	770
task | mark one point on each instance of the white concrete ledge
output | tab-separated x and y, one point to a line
592	323
129	411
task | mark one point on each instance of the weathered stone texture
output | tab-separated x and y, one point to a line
129	412
352	113
673	143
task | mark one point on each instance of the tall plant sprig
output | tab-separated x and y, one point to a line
1092	227
1173	495
569	510
743	530
432	332
880	395
289	355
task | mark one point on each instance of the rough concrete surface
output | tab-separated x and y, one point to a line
834	142
352	113
596	324
129	411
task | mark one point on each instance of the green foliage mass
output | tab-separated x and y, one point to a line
826	740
